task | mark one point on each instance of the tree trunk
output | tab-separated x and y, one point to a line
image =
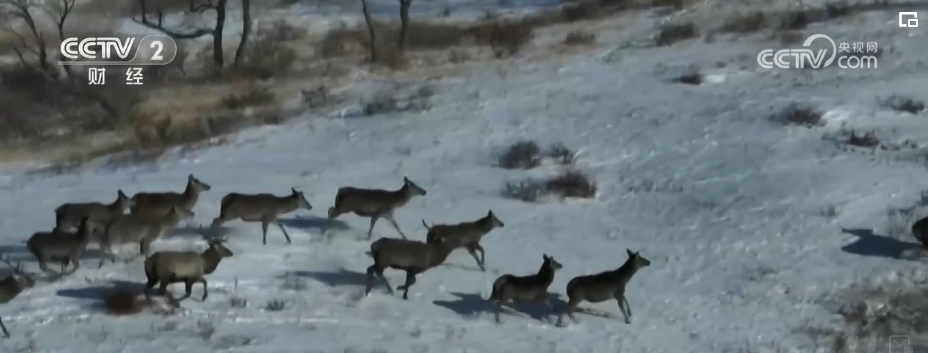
246	30
218	61
370	30
404	21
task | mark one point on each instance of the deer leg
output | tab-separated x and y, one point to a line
205	291
6	334
568	309
499	308
628	307
188	289
622	308
275	221
389	217
149	286
410	280
370	231
75	263
264	231
371	271
483	254
473	253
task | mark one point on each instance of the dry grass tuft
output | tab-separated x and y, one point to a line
741	23
903	104
866	140
672	33
521	155
579	37
795	114
571	183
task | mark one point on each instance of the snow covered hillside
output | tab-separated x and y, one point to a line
726	204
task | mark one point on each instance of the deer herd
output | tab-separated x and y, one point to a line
153	214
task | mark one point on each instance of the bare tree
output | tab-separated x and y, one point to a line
404	21
370	30
246	30
196	6
21	9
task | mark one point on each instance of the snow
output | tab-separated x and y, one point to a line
741	254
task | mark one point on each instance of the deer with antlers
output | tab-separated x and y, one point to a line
167	267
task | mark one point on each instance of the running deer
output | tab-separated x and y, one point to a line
143	228
412	256
161	202
264	208
374	203
189	267
604	286
62	247
468	234
11	286
509	288
68	216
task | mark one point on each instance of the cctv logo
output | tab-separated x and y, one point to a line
87	48
908	22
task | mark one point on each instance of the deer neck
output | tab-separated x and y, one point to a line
485	224
190	195
402	196
444	249
546	273
116	206
289	204
211	258
624	273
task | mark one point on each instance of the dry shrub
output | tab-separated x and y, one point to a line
691	78
866	140
579	37
268	53
571	183
560	153
252	97
793	20
874	315
388	101
123	301
672	33
581	11
903	104
504	37
521	155
796	114
752	22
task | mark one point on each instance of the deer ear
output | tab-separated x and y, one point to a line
545	257
630	253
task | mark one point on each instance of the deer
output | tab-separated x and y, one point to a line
374	203
412	256
468	234
161	202
11	286
264	208
60	246
920	231
69	215
509	287
189	267
603	286
143	228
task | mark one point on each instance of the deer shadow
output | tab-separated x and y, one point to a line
319	224
96	294
341	277
871	244
469	304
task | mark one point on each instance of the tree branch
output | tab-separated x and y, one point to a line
176	35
